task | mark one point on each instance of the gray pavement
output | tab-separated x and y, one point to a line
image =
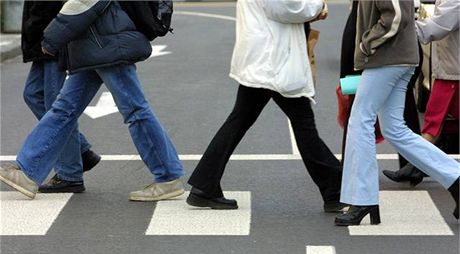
10	46
191	93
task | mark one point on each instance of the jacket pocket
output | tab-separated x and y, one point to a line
94	36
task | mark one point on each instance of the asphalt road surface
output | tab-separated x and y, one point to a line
189	89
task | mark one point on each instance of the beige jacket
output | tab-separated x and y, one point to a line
442	29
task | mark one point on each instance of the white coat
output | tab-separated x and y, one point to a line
443	30
270	49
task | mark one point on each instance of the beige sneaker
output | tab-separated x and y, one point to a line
158	191
12	175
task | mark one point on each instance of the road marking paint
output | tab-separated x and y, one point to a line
175	217
206	15
5	43
405	213
295	149
320	249
22	216
235	157
157	50
104	106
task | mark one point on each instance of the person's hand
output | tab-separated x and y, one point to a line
323	14
46	52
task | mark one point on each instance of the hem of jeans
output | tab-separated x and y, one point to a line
28	174
70	179
450	183
358	202
84	150
169	177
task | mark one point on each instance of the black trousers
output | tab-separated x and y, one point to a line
322	165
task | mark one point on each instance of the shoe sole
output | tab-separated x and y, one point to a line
162	197
204	203
74	189
19	188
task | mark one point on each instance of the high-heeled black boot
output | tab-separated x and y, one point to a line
454	192
408	173
355	214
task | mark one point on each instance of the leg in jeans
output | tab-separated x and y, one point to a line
45	143
208	173
322	165
151	140
360	184
43	84
418	151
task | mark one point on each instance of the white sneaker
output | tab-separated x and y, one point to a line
158	191
12	175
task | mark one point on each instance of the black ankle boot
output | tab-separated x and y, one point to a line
355	214
199	198
90	159
408	173
454	192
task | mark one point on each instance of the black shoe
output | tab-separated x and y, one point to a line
334	206
355	214
89	159
454	192
408	173
57	185
199	199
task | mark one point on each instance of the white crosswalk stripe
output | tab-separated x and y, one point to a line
405	213
320	249
177	218
22	216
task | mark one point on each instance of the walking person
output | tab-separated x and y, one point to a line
99	49
442	30
387	53
41	88
270	61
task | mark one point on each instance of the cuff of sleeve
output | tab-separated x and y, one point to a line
49	48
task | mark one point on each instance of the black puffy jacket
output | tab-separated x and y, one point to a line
36	15
94	34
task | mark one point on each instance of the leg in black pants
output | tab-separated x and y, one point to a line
324	168
208	173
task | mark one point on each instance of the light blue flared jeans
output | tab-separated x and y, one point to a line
382	91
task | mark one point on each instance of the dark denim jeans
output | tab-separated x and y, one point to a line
42	86
322	165
46	141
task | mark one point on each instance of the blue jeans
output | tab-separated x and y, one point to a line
42	86
382	91
40	149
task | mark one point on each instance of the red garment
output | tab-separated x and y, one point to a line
344	103
443	102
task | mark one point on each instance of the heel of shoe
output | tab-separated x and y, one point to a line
375	216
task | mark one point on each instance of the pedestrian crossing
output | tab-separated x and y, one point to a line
21	216
407	213
177	218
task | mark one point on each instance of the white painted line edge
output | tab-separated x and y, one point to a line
175	217
314	249
295	149
235	157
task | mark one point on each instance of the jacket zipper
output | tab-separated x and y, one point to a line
95	37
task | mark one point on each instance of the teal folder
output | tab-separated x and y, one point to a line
349	84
